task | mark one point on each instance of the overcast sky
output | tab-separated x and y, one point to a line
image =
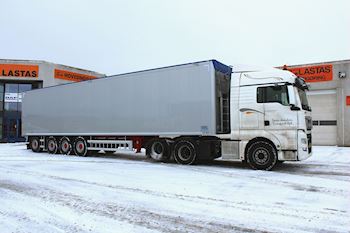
113	37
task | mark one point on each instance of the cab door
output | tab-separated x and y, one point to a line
251	113
279	119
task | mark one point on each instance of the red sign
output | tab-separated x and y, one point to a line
348	101
319	73
19	70
72	76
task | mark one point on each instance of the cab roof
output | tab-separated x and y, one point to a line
268	76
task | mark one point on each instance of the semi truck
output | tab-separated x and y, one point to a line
187	113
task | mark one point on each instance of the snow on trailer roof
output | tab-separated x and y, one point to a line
218	66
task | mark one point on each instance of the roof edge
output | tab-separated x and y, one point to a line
317	63
47	62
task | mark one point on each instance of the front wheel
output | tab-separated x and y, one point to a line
261	155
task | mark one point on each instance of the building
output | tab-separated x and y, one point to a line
18	76
329	98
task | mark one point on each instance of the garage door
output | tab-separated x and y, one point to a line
324	116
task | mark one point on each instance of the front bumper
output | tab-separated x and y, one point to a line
303	150
304	145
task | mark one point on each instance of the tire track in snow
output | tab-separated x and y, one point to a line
278	209
294	185
21	221
130	214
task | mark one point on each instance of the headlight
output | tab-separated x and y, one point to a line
303	141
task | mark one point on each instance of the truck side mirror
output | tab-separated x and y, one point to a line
294	108
292	98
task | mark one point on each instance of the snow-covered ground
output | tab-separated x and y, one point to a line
128	193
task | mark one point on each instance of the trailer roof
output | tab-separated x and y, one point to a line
218	66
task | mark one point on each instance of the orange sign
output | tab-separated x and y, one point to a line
18	70
72	76
314	73
348	100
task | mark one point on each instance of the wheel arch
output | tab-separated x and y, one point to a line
260	139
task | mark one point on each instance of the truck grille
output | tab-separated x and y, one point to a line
309	143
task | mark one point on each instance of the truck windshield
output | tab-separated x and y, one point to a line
303	100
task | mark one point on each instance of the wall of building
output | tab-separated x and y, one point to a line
18	76
343	91
323	82
48	73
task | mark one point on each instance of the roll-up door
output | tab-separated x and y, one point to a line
324	116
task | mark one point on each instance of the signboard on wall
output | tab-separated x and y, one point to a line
348	101
72	76
19	70
13	97
321	73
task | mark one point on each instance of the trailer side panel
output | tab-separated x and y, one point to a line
173	101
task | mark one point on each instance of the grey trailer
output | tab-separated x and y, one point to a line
176	110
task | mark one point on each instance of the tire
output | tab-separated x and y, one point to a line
261	155
158	150
185	152
65	146
35	144
51	145
80	147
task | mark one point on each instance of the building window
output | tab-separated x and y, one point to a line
11	107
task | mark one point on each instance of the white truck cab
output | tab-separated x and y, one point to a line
272	122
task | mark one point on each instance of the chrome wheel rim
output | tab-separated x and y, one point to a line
65	145
80	147
35	144
51	145
261	156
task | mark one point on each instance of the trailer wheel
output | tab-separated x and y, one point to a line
52	146
35	144
261	155
158	150
185	152
65	146
80	147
